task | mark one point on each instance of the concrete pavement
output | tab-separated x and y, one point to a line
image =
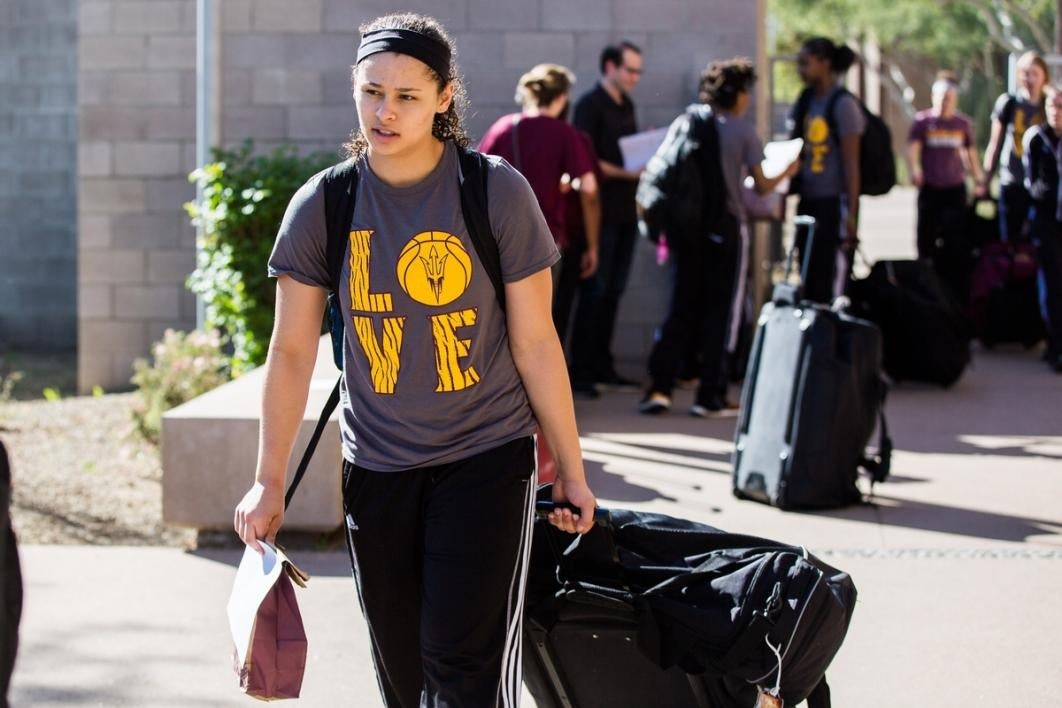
959	565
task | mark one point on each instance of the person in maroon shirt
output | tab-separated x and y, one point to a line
941	152
551	155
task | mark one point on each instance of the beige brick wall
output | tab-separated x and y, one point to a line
137	126
283	75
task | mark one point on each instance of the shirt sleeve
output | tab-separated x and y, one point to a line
577	161
1001	105
525	243
489	144
967	133
849	116
299	250
917	133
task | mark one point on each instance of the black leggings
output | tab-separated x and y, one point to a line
942	237
439	556
705	274
820	280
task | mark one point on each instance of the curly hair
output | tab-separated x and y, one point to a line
722	81
446	126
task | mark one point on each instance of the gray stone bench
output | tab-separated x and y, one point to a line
210	447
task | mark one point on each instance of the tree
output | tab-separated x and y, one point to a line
971	37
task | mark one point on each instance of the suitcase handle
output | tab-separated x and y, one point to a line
602	517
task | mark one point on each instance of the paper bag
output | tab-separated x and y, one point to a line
270	642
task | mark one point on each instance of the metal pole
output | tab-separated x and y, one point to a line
203	59
1058	26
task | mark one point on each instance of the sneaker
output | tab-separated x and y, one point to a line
699	411
655	403
714	407
615	382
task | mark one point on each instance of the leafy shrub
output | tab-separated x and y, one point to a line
244	198
185	366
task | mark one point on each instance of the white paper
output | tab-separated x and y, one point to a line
779	155
639	147
255	576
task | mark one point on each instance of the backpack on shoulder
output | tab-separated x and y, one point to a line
682	189
340	197
877	163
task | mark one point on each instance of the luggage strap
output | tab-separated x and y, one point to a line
879	465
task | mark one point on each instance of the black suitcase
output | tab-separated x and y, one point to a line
813	394
648	610
926	334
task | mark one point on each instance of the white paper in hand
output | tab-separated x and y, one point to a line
779	155
639	147
255	576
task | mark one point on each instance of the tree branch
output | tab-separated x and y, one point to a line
1045	43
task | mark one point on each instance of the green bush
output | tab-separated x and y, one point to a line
185	366
244	198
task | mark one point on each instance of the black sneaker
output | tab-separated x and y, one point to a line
615	382
655	403
714	407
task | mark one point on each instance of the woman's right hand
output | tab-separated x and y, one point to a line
259	515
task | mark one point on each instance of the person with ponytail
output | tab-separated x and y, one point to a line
1012	116
554	158
442	384
828	181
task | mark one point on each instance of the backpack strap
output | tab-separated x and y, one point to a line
472	178
831	108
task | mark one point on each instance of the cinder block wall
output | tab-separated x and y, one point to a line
284	76
38	151
136	98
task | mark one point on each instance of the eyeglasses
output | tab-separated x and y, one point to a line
632	70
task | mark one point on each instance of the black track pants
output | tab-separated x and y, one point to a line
439	556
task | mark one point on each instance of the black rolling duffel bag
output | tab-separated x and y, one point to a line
926	334
650	610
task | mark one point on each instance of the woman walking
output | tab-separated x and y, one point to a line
441	385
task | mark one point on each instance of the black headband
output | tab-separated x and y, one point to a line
402	41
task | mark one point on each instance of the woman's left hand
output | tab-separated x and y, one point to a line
578	494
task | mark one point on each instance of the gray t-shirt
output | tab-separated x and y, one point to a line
822	169
1023	114
740	149
428	376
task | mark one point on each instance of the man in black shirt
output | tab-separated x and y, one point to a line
606	114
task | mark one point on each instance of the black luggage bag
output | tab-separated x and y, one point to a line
649	610
926	334
1004	295
813	395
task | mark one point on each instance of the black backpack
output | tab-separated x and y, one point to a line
340	197
681	190
877	163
